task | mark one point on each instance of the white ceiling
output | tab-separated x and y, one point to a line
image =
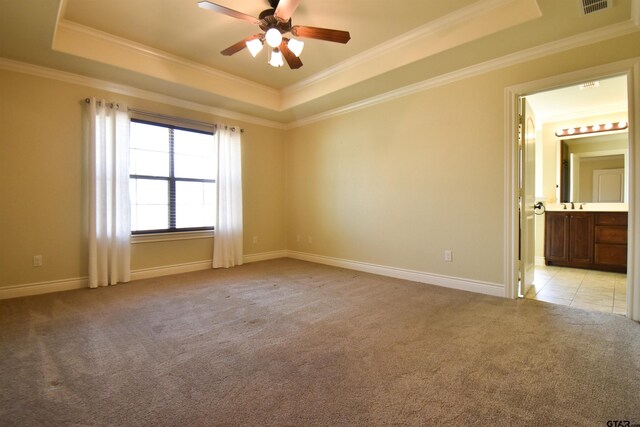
609	96
171	47
182	28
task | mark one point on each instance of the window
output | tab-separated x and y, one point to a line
172	178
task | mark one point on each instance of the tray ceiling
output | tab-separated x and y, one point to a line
172	46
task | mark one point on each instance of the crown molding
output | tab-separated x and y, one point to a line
85	31
410	37
87	42
445	33
613	31
576	41
49	73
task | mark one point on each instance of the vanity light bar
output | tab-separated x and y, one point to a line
607	127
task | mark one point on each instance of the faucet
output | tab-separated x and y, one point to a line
572	206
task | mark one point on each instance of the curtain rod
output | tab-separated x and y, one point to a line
180	119
166	117
108	104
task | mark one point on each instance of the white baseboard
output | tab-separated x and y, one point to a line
168	270
494	289
487	288
29	289
265	256
540	260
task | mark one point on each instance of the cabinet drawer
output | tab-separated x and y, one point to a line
607	254
611	218
611	234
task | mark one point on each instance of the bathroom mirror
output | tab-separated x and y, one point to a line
594	169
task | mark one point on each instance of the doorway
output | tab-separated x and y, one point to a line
548	190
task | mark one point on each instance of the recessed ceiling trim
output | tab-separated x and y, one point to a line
282	97
531	54
450	31
76	79
412	36
89	43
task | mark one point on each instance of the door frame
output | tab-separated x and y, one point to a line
629	68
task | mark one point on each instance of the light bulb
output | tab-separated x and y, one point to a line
276	59
571	131
583	129
254	46
295	46
273	37
596	128
622	125
608	126
559	131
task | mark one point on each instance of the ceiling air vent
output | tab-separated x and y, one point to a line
592	6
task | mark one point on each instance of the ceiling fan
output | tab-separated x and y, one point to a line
275	22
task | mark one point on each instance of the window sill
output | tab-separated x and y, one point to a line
170	237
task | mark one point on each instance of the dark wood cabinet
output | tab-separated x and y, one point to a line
611	239
595	240
556	241
581	239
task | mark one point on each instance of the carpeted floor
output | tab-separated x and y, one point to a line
291	343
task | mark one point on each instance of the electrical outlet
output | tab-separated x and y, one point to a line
448	255
255	239
37	260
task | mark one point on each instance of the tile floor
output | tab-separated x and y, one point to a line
586	289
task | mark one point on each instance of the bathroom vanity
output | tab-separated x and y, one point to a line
595	240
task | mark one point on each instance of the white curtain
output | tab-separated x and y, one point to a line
227	241
109	209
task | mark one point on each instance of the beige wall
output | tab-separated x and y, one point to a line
43	196
394	184
398	183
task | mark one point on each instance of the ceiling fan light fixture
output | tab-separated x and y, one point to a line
254	46
276	58
273	37
273	23
295	46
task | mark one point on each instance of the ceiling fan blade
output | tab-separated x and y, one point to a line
235	48
226	11
293	61
326	34
285	9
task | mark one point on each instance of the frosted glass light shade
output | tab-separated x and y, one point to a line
273	37
295	46
276	59
254	46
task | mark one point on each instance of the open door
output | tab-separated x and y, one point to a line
527	146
